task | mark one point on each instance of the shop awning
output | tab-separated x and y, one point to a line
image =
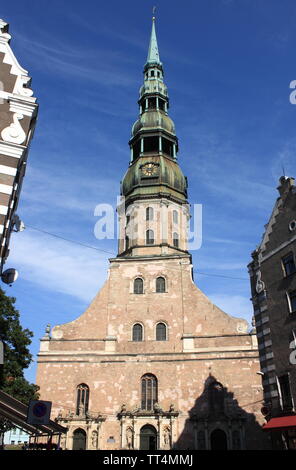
281	423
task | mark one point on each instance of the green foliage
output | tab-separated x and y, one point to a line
17	356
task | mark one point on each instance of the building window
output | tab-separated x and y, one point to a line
137	332
161	332
149	213
289	264
126	243
160	284
82	399
285	393
176	240
149	237
175	217
148	392
138	286
292	301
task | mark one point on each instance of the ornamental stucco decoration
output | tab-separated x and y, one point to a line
259	283
14	133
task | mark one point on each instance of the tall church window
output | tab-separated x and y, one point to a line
137	332
175	217
138	286
148	391
161	332
82	399
149	213
149	237
160	284
176	240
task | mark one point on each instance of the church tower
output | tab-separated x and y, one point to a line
153	363
154	187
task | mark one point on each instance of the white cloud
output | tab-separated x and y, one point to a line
71	190
58	265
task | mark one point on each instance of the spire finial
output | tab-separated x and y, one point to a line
153	54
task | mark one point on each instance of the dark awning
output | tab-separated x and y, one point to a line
16	412
281	423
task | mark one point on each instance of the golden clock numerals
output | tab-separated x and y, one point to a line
150	169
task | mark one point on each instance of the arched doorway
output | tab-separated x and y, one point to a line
218	440
148	438
79	439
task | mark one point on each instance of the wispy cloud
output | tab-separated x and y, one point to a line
58	266
100	65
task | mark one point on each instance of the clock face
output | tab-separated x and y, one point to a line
150	169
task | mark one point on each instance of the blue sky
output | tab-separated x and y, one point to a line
228	65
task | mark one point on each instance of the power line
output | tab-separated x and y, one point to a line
114	254
71	241
221	275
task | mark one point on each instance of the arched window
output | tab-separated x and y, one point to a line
137	332
160	284
148	391
161	332
138	286
149	237
149	213
176	240
82	399
175	217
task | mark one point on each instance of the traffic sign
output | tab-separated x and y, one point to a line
39	412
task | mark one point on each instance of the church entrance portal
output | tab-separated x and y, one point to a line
148	438
218	440
79	439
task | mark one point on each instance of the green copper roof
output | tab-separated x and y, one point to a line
153	54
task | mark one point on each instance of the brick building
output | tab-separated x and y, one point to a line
153	363
18	113
273	286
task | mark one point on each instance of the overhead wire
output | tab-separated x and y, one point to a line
114	254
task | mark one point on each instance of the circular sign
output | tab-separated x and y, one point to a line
39	409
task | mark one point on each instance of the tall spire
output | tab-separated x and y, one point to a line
153	54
